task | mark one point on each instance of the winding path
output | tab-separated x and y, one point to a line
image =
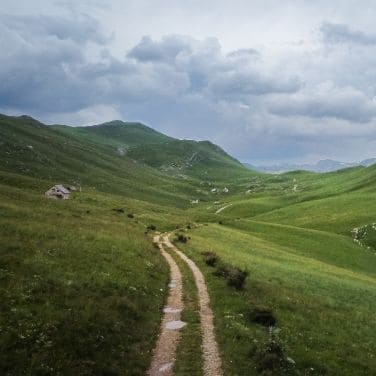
164	354
223	208
212	360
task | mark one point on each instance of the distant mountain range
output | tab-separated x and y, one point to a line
325	165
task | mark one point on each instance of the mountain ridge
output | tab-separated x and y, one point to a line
321	166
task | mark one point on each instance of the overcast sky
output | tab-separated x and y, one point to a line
267	80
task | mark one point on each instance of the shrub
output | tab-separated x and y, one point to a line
151	227
235	276
271	356
262	316
130	215
181	238
222	271
211	258
118	210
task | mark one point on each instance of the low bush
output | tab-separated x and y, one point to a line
271	357
151	227
181	238
211	258
262	316
222	271
118	210
235	276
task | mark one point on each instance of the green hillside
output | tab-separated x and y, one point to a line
182	158
65	154
200	159
320	287
308	243
117	133
82	286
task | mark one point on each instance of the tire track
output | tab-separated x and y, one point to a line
164	354
211	357
223	208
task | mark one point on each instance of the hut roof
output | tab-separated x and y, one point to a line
62	189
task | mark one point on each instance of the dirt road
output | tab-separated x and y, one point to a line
164	354
211	357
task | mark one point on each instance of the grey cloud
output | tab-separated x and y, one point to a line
235	84
244	52
46	68
74	6
247	101
82	29
41	66
326	101
165	50
340	33
223	77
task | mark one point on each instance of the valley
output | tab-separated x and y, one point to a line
83	287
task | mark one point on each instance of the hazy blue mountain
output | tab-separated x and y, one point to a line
325	165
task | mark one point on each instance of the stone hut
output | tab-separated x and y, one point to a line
58	191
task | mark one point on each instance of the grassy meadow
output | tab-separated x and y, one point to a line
82	287
324	308
305	265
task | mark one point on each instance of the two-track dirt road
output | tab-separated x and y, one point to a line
164	355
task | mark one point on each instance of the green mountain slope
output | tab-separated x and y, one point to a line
319	286
308	242
117	133
68	155
37	150
193	158
172	156
81	287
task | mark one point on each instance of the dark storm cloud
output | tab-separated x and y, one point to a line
45	68
341	33
42	60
